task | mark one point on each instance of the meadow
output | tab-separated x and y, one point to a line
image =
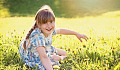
100	52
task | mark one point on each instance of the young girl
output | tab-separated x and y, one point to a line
36	49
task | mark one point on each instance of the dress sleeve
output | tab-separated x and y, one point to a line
38	41
54	32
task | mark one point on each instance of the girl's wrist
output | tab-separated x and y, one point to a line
76	33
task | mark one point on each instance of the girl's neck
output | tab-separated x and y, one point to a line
45	35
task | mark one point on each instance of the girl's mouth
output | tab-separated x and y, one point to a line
49	29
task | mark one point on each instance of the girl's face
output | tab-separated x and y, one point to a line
47	28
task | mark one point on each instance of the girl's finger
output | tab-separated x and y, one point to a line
86	37
80	40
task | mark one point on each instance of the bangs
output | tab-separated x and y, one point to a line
45	16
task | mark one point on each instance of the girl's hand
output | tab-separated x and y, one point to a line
79	36
62	57
56	57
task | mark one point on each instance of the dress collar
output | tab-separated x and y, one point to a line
41	33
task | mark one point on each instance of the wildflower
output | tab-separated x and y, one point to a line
80	48
14	30
62	61
73	51
86	56
56	67
36	64
97	66
74	57
86	59
68	49
113	47
113	50
118	38
70	60
88	48
106	61
84	46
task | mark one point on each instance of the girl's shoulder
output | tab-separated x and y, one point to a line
36	32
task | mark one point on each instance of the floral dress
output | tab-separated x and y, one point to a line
30	56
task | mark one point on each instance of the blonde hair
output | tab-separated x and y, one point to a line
44	15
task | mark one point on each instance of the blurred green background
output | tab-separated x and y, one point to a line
61	8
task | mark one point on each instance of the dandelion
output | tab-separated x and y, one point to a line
118	38
62	61
73	51
56	67
90	38
84	46
70	60
11	33
106	61
113	50
80	48
88	48
93	44
98	66
68	49
86	56
23	32
86	59
36	64
14	30
113	47
74	57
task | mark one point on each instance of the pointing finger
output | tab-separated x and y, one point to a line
80	40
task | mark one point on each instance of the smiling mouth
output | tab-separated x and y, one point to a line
49	29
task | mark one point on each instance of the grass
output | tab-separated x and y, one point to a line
101	51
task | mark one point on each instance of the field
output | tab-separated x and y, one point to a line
100	52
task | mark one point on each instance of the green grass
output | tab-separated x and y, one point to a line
101	51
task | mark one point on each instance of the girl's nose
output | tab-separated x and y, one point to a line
49	24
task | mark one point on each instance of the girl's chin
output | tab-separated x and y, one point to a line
48	32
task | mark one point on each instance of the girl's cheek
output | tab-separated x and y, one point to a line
53	24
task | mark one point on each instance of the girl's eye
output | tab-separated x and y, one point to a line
51	21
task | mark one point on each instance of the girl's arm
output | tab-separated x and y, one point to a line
70	32
61	55
44	58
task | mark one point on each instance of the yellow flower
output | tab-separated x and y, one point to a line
86	56
86	59
113	50
107	61
84	45
36	64
56	67
98	66
80	48
68	49
113	47
62	61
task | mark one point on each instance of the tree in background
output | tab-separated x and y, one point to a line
61	8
